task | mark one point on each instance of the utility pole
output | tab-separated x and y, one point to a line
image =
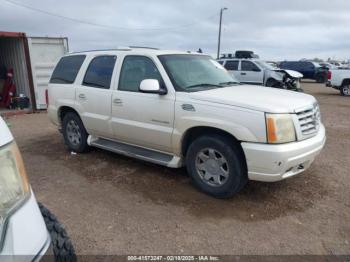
219	40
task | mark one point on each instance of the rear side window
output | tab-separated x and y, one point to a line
67	69
99	72
231	65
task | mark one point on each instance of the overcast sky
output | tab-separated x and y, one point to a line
274	29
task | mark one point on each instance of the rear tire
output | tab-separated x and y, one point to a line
345	90
62	246
74	133
216	165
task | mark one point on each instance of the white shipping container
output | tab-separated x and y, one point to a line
44	54
33	60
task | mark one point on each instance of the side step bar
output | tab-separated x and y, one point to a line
136	152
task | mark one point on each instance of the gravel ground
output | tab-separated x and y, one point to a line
116	205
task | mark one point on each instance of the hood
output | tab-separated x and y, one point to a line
290	73
5	136
260	98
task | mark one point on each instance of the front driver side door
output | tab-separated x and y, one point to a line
250	73
142	119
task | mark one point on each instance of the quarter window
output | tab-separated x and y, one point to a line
231	65
249	66
134	70
67	69
99	72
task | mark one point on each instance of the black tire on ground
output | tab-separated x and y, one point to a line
320	78
273	83
345	90
62	246
82	145
236	165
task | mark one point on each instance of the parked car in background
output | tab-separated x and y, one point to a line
327	65
27	230
179	109
310	70
258	72
339	79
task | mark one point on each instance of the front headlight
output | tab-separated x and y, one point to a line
280	128
14	186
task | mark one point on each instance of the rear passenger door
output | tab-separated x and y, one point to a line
232	67
250	73
94	95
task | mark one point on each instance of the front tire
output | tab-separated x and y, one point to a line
74	133
345	90
273	83
62	246
216	165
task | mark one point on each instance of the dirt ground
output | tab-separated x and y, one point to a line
112	204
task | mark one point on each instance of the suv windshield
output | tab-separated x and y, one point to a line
196	72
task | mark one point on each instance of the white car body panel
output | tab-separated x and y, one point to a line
338	76
6	136
265	99
25	232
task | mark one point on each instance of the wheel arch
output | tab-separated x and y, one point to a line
194	132
345	81
63	110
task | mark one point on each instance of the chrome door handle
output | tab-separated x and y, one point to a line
118	101
82	96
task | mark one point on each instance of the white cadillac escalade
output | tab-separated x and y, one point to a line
178	108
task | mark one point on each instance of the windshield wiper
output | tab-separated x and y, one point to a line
203	85
229	83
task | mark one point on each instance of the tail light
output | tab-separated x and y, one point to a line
329	75
47	97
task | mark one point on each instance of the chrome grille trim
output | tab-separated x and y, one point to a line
309	121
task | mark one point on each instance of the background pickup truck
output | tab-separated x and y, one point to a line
339	79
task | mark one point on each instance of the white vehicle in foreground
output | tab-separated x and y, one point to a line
339	79
23	224
175	108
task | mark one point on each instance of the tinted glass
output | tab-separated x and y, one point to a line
67	69
249	66
99	72
231	65
192	73
134	70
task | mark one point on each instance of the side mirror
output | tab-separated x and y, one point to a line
256	70
151	86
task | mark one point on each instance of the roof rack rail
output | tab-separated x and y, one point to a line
145	47
96	50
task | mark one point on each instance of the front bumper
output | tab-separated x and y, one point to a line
271	163
26	236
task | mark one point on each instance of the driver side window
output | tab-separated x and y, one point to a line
134	70
249	66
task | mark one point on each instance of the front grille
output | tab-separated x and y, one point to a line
309	120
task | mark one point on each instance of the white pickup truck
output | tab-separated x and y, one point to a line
339	79
176	108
